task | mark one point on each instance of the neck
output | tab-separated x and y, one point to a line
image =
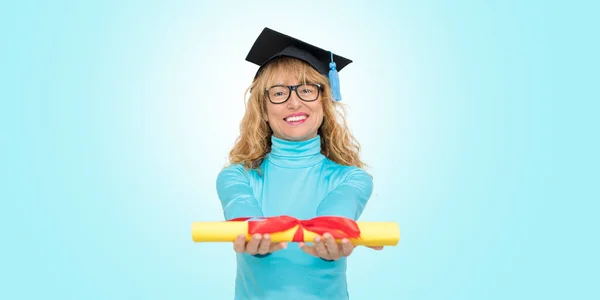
295	153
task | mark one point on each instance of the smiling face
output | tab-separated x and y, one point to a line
295	119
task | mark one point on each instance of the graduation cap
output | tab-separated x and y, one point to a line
271	44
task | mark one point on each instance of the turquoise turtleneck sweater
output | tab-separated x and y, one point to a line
295	180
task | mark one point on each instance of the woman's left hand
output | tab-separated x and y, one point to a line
327	248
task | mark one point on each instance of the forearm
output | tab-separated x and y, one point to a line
236	195
349	198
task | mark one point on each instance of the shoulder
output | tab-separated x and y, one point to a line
233	169
347	173
235	173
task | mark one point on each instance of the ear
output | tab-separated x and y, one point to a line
265	114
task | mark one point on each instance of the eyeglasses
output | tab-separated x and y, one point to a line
307	92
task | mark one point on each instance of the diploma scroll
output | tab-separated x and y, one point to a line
287	229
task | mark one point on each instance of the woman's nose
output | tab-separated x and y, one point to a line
294	102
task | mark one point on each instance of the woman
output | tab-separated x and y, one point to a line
296	157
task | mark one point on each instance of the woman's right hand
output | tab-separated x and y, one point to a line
257	245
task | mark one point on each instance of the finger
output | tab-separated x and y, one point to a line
277	246
309	250
347	247
265	244
321	249
376	247
252	245
240	243
332	246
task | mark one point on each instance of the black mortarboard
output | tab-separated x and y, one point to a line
271	44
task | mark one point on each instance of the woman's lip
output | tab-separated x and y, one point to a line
296	122
297	114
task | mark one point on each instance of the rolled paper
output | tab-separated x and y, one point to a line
289	229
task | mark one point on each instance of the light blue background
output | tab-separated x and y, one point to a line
117	117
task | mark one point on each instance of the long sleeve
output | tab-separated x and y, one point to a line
350	197
235	194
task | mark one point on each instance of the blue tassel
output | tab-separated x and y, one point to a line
334	80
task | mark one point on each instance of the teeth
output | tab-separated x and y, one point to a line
296	118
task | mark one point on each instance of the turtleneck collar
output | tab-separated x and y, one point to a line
295	154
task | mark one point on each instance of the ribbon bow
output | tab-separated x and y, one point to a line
338	227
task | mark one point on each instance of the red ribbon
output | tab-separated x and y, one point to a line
338	227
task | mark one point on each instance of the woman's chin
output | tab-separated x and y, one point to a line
297	136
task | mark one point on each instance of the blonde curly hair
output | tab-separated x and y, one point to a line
254	142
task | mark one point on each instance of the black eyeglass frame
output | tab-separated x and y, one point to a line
295	88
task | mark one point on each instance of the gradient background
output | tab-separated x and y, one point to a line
117	117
